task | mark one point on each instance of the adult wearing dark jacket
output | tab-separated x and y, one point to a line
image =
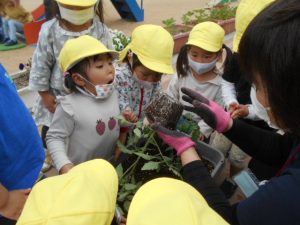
270	53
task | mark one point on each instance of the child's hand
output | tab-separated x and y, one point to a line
232	107
13	207
240	112
123	221
49	100
130	116
66	168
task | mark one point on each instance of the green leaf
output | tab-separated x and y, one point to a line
151	166
126	205
123	121
137	132
129	187
122	196
144	156
119	170
123	148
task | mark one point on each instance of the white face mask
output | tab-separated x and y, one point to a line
103	91
260	110
201	68
76	17
144	83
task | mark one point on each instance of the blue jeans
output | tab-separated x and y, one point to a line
11	27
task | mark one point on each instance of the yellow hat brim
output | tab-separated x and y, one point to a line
150	64
114	54
207	47
85	3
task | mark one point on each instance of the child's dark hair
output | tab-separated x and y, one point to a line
98	10
81	68
182	64
135	61
269	51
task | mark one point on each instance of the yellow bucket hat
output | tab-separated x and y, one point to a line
208	36
79	48
83	3
170	201
85	195
153	46
245	13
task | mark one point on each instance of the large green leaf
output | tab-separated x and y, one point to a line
151	166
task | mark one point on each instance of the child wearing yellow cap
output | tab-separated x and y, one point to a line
72	18
235	88
165	201
83	126
145	60
85	196
196	66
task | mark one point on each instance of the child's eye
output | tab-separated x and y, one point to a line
99	66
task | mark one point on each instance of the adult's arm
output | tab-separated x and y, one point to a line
266	146
196	174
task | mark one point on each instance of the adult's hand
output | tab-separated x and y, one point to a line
177	140
212	113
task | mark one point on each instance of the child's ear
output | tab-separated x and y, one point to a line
78	80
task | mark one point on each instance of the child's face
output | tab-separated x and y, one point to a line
202	56
100	72
146	74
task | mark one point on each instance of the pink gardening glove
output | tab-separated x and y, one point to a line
212	113
177	140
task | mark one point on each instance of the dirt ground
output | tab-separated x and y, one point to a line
155	12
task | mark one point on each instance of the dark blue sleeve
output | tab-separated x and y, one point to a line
275	203
21	150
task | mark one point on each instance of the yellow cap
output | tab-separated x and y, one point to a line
83	3
85	195
208	36
79	48
245	13
153	46
170	201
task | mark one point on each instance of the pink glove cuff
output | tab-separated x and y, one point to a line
180	144
187	144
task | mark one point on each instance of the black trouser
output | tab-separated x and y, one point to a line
43	134
4	221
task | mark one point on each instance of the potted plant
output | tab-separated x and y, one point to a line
179	32
221	14
145	156
224	15
119	39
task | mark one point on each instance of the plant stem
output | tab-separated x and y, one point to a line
160	152
131	169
